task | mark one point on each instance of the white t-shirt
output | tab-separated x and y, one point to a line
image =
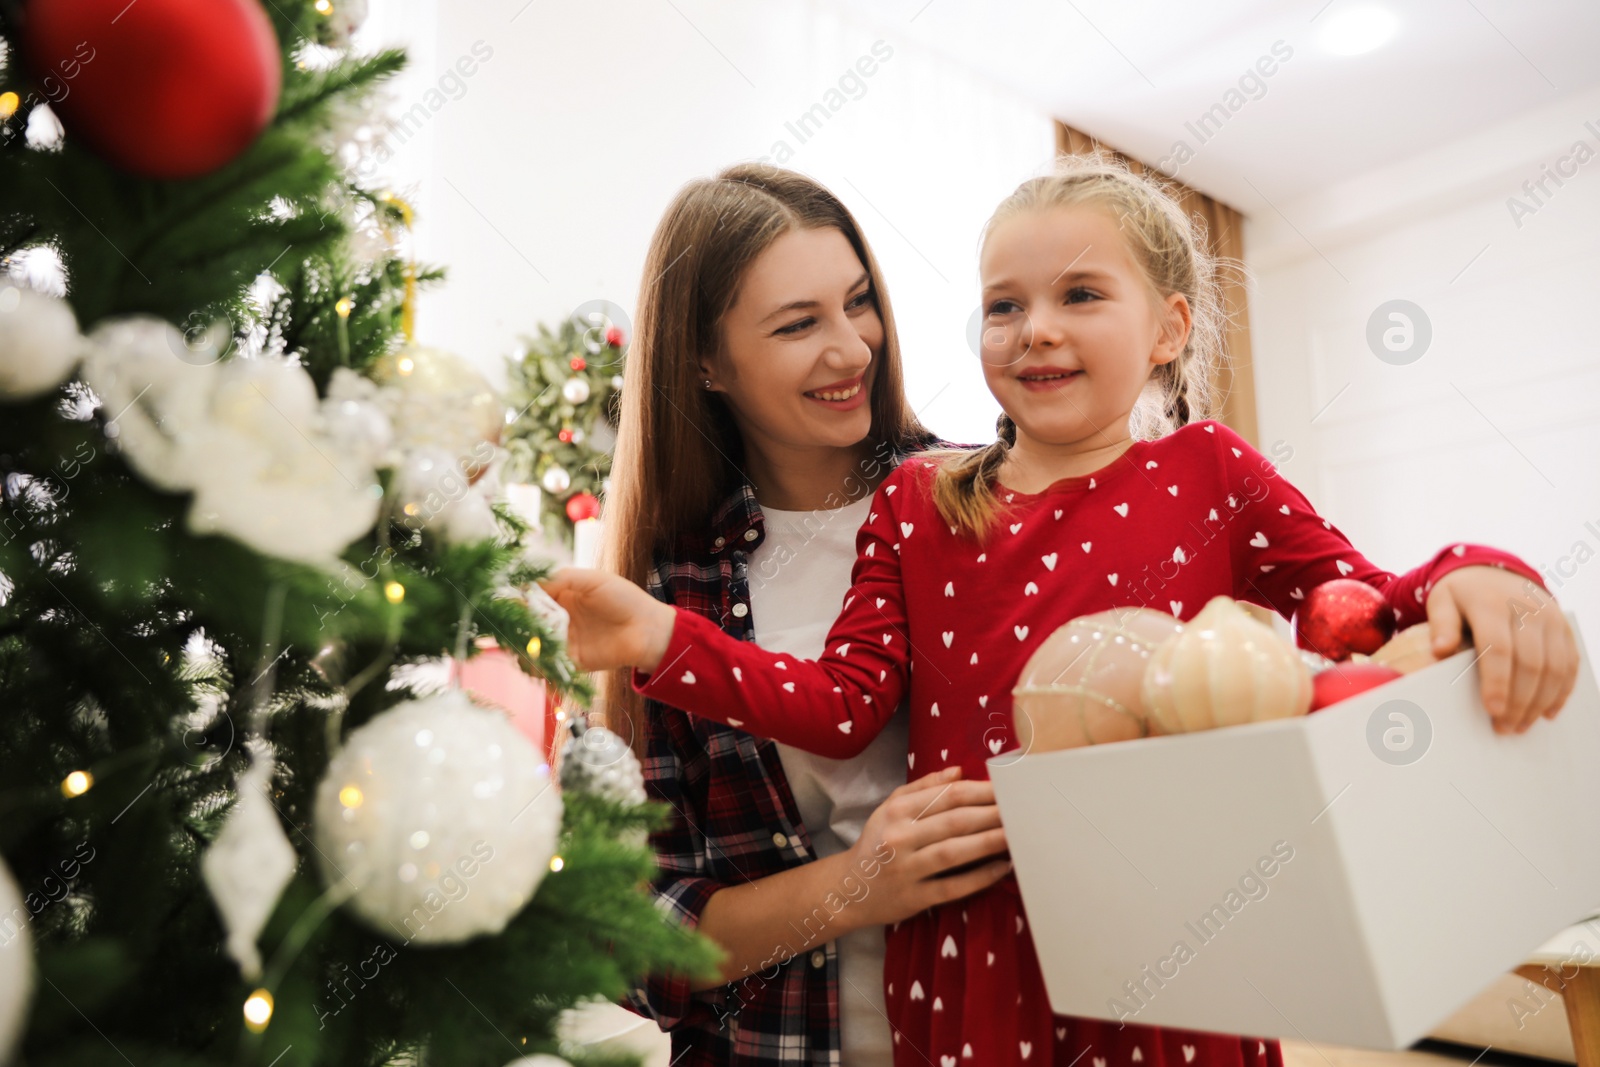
799	576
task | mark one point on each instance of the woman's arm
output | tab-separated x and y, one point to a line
921	829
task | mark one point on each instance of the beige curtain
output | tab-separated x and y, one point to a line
1224	226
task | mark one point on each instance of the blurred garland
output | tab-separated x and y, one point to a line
566	390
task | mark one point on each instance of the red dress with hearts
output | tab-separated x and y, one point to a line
948	622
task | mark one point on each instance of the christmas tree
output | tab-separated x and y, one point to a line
239	508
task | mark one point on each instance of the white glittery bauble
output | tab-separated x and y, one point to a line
442	816
39	342
540	1060
556	480
575	391
16	964
616	381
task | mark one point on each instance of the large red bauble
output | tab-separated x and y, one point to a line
1341	617
159	88
1345	680
582	506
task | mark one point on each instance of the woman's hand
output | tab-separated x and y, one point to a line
1528	657
920	830
612	622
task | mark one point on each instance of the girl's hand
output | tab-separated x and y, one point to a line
612	622
1528	656
921	829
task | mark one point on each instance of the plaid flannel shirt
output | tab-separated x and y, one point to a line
734	821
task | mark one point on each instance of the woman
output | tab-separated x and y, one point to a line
764	403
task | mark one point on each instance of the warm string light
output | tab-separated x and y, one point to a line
76	784
8	105
324	7
344	306
257	1011
394	591
534	646
556	863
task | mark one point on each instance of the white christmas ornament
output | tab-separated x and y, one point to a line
249	864
16	964
39	342
248	437
575	391
442	818
541	1060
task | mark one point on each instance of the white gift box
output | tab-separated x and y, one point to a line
1352	877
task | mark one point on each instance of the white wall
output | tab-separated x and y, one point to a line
1493	435
540	179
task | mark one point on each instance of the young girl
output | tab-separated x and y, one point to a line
1098	300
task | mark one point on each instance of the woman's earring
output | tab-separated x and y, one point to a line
708	382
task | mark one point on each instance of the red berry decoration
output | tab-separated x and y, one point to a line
159	88
1341	617
1344	680
582	506
577	363
565	434
614	336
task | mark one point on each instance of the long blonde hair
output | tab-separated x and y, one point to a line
1170	250
679	453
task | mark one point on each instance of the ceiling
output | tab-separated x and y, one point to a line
1138	76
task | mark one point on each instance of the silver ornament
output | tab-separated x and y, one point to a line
596	760
439	818
556	480
575	391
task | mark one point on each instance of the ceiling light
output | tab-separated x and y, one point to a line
1351	31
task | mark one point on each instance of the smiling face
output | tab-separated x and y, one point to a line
800	345
1071	329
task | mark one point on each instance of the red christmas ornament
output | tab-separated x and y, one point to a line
577	363
1341	617
1344	680
614	336
159	88
565	435
582	506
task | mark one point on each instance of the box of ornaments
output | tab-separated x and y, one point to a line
1198	848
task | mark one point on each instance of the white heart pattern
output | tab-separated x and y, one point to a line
844	727
1016	526
911	759
881	602
1138	1055
905	529
1284	508
842	650
1188	1054
1172	489
916	991
738	675
1176	606
1179	555
1236	452
1152	465
735	723
947	1061
1121	509
1026	1047
870	547
788	687
1058	513
1085	545
887	638
1112	577
1021	632
688	678
1259	540
944	753
991	959
949	947
1049	561
934	710
1061	1033
1030	589
983	701
996	744
982	556
1344	568
949	588
1460	550
949	636
974	659
888	490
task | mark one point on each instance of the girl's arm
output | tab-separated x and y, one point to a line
1282	549
832	707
